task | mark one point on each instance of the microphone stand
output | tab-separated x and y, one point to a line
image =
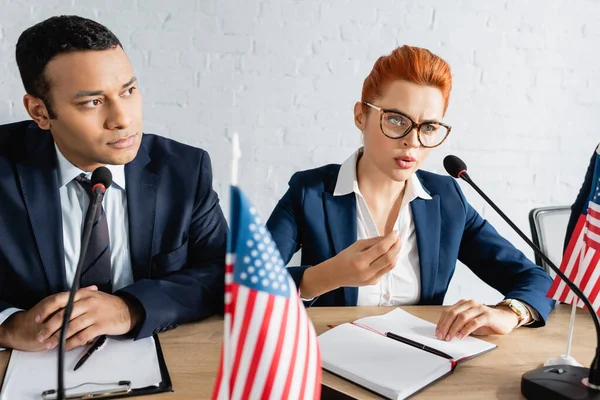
98	195
557	381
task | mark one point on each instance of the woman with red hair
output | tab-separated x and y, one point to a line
379	231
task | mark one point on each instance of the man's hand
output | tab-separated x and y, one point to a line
469	317
94	313
21	330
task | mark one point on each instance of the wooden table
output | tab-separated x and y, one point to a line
192	354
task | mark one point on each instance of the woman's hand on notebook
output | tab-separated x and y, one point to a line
470	317
363	263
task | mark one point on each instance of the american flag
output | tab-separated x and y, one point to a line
581	258
270	348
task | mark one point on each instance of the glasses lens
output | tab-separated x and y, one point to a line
395	125
432	134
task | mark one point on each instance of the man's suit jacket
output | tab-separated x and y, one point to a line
177	232
582	197
447	229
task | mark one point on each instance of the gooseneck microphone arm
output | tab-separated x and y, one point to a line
101	180
458	169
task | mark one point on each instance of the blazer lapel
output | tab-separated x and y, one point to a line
141	205
340	212
38	177
427	220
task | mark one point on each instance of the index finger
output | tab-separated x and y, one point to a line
364	244
381	247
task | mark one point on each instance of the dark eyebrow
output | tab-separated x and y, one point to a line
405	114
91	93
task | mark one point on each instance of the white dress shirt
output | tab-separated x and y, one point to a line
402	285
74	203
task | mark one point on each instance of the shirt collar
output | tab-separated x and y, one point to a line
68	172
347	183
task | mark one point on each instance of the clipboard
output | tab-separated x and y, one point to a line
107	389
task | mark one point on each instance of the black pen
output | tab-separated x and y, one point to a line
95	346
418	345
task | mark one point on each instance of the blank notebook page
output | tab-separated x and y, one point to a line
31	373
379	363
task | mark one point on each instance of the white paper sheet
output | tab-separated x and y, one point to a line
31	373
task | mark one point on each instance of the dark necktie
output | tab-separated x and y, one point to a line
96	267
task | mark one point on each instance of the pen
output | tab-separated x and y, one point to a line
418	345
95	346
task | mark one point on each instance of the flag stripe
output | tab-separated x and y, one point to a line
593	228
594	208
592	286
249	311
306	366
253	337
277	356
270	351
258	350
586	256
299	360
288	380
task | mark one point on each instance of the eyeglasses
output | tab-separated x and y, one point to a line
397	125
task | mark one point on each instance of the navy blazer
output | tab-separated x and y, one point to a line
581	200
177	232
447	228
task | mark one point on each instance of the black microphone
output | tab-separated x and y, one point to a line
101	180
557	381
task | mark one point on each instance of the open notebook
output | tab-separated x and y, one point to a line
140	362
360	352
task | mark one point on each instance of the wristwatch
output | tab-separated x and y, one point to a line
518	308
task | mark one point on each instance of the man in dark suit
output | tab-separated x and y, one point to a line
156	256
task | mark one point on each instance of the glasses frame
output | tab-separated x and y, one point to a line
414	125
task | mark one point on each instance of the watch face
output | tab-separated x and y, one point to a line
520	307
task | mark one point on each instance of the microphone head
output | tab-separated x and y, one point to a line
102	176
454	166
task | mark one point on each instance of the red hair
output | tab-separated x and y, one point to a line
412	64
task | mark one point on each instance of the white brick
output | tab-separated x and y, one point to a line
335	13
270	64
248	9
287	119
274	10
109	4
526	40
168	58
223	44
283	46
239	25
160	39
7	108
410	14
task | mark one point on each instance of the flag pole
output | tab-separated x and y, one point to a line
571	327
229	261
567	358
235	158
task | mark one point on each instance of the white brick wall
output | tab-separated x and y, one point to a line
285	75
